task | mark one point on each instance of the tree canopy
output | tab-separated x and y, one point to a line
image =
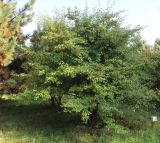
85	63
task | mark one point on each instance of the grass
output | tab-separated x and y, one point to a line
39	123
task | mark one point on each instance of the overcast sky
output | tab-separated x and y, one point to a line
138	12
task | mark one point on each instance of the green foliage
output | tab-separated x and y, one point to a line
85	64
11	38
11	22
149	73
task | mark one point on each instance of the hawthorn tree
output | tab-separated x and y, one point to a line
84	63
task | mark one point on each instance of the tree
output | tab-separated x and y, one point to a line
84	64
11	22
149	63
157	44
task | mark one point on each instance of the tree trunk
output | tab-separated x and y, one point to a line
56	102
93	118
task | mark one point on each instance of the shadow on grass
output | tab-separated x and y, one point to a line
40	123
36	119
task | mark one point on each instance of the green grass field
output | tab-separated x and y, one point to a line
39	123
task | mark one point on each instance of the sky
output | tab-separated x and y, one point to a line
145	13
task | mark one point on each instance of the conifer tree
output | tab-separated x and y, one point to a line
11	22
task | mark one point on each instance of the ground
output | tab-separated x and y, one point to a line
40	123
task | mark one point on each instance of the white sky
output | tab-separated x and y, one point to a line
138	12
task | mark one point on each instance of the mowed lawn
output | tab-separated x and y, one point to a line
40	123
